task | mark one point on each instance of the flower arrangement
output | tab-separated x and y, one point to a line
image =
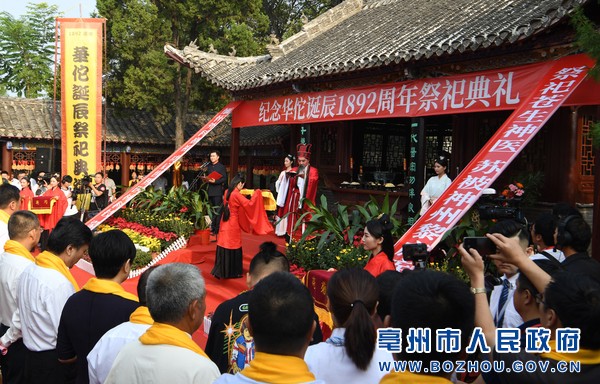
513	190
152	243
165	222
336	254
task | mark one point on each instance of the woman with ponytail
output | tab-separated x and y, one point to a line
350	354
239	214
378	240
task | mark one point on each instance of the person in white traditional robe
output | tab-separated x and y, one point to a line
281	187
166	353
436	185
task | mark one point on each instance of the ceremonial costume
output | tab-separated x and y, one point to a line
244	214
164	354
26	198
104	353
300	188
13	262
58	210
433	189
379	264
42	293
269	368
100	306
282	186
329	362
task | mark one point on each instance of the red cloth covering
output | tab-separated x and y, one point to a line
379	264
292	201
60	206
316	281
247	215
26	198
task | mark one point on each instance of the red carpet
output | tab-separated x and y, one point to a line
203	256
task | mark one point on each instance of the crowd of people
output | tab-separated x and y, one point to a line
53	331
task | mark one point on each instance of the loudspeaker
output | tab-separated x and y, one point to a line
42	160
563	236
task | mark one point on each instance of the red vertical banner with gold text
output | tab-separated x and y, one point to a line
81	95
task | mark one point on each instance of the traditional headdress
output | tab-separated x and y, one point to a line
303	150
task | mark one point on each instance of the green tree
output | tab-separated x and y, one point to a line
27	51
588	37
141	76
285	16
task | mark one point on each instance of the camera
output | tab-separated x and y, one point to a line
82	185
417	253
483	245
498	208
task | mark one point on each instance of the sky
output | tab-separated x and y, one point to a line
69	8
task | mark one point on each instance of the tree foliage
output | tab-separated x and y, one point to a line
27	51
140	76
588	37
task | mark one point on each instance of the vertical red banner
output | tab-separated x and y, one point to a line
553	89
81	95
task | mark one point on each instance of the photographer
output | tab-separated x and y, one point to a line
99	193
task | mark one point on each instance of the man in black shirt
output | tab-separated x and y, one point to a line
228	321
99	193
102	303
216	187
573	237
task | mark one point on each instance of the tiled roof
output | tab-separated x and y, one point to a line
360	34
31	119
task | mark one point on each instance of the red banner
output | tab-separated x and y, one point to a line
502	89
557	83
163	167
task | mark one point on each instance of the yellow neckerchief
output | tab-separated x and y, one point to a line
160	333
268	368
16	248
412	378
585	356
49	260
109	287
4	216
141	316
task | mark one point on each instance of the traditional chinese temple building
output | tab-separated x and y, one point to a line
367	78
135	141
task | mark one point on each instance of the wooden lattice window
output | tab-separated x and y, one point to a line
587	152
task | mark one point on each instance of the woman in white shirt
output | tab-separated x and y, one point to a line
350	354
281	187
436	185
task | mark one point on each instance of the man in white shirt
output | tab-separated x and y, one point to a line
501	301
102	356
24	232
166	353
542	234
111	187
10	201
42	293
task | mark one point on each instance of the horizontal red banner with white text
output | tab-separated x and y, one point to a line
502	89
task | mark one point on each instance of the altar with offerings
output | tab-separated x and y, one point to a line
268	199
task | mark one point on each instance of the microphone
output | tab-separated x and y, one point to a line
205	165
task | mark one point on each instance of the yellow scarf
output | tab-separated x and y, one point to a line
16	248
412	378
109	287
161	333
4	216
49	260
585	356
141	316
268	368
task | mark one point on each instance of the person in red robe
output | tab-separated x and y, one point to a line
26	194
378	240
61	204
303	185
239	214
